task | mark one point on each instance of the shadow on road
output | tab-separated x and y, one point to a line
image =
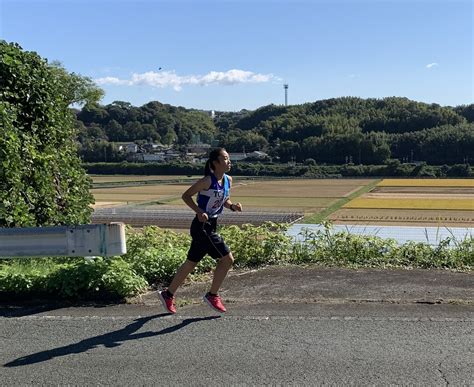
108	340
21	308
21	311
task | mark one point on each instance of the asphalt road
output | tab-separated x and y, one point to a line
253	344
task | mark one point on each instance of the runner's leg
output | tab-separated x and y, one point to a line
183	271
222	268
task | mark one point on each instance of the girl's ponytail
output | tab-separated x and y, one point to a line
213	156
207	168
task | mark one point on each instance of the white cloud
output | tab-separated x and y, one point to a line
430	65
171	79
110	81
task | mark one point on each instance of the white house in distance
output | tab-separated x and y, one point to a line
199	148
240	156
237	156
127	147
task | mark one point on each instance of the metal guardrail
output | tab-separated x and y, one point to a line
68	241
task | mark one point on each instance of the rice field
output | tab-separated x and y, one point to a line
139	193
419	202
305	196
132	178
412	201
426	183
399	217
415	204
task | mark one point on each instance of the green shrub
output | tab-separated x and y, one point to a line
344	249
258	245
155	254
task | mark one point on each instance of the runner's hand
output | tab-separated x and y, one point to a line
202	217
237	207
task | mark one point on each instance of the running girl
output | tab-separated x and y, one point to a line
213	195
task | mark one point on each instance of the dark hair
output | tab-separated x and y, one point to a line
213	156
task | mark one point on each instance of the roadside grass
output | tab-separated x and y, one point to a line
154	254
322	216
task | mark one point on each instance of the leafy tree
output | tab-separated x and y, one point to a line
467	111
41	179
98	151
248	141
93	113
115	131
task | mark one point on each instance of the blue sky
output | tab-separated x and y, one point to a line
232	55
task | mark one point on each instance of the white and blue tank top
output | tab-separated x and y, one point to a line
212	200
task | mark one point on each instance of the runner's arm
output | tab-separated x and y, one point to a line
200	185
228	204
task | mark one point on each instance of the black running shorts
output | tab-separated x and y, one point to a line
206	241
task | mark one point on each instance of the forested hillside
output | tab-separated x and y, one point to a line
333	131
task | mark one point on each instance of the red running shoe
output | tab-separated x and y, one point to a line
215	302
167	301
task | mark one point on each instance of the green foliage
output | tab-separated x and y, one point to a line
393	168
447	144
258	245
120	121
155	254
41	179
121	279
337	131
331	248
74	278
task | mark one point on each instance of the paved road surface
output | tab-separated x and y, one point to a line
330	337
264	344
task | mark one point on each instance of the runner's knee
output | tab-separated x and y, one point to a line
229	259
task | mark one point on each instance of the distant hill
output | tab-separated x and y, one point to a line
337	130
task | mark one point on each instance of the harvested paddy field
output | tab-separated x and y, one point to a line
139	193
403	217
273	196
467	192
299	188
282	194
132	178
418	202
391	202
426	183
